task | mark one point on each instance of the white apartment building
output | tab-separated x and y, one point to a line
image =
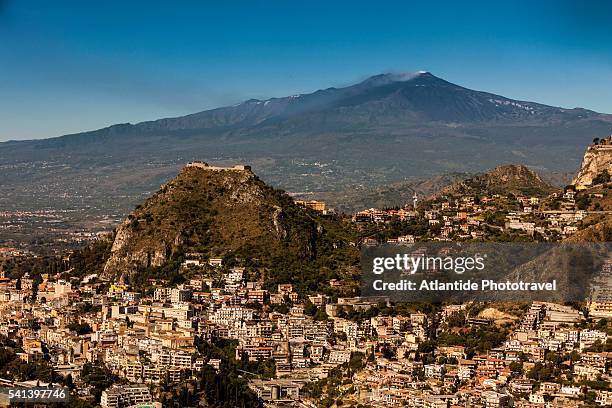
124	396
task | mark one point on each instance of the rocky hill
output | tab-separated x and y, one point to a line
221	213
597	162
515	179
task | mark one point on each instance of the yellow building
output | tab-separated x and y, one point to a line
117	289
313	205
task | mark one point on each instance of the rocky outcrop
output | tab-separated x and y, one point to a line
213	213
596	161
126	258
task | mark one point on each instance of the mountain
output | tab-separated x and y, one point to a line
381	99
378	132
224	213
515	179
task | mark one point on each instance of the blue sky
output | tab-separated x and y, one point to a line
73	66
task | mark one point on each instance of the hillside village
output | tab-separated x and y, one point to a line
494	216
167	318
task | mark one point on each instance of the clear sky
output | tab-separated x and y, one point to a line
72	66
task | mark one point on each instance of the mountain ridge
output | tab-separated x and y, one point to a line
504	179
372	134
254	112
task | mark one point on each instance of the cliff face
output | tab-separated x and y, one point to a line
515	179
214	213
597	159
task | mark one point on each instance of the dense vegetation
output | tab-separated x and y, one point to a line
226	388
91	258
